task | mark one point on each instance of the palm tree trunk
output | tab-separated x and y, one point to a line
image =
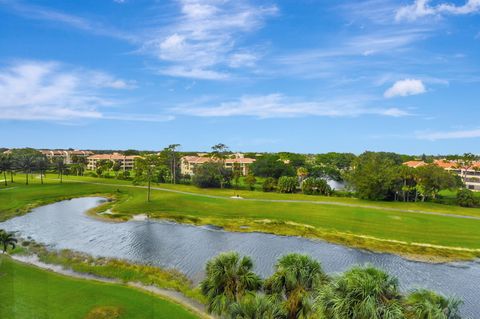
26	178
41	177
5	177
11	176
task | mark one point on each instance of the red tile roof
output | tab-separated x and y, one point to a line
112	157
415	164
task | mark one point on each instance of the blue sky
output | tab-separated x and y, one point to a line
304	76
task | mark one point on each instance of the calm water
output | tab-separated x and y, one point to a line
187	248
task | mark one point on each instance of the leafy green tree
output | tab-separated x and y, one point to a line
340	161
220	151
374	176
6	165
7	239
60	167
269	184
42	165
211	174
255	307
287	184
228	279
271	165
146	168
250	180
425	304
361	293
117	166
466	198
302	173
293	159
24	160
316	186
294	283
431	179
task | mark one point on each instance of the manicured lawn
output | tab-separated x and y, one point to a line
29	292
335	223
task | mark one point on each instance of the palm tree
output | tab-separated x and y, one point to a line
255	307
5	166
229	277
25	162
42	165
7	239
295	281
361	293
425	304
60	167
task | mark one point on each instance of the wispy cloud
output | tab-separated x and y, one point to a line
405	88
202	41
422	8
447	135
280	106
33	90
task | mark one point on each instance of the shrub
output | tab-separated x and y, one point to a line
269	184
466	198
316	186
250	180
105	312
287	184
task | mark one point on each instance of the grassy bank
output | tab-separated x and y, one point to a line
28	292
419	236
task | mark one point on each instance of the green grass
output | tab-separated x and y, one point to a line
376	229
28	292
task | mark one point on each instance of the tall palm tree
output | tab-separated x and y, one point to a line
255	307
295	282
7	239
25	162
361	293
42	164
60	167
425	304
5	166
229	277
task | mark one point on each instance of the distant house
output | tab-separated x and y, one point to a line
470	175
67	155
188	163
127	162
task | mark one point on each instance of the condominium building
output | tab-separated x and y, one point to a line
188	163
67	155
127	162
470	175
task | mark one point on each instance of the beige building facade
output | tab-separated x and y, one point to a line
127	161
188	163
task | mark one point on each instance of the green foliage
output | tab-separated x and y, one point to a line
228	279
256	306
270	165
6	240
361	293
294	159
269	184
316	186
250	180
431	179
287	184
425	304
104	312
340	161
211	175
294	283
466	198
374	176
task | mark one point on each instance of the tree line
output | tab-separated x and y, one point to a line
300	289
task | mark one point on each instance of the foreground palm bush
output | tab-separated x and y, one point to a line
362	293
299	289
425	304
294	283
229	277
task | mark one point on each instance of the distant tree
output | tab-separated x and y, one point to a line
42	165
287	184
361	293
465	163
466	198
131	152
269	184
425	304
431	179
236	174
6	165
24	160
339	161
374	176
117	166
211	174
250	180
228	278
302	173
7	239
220	151
294	283
146	169
60	167
80	164
271	166
316	186
294	159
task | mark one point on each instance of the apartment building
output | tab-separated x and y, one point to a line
67	155
188	163
127	161
470	175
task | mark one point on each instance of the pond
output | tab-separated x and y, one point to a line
64	225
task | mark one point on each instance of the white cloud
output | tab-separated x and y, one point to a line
202	42
33	90
405	88
459	134
422	8
280	106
